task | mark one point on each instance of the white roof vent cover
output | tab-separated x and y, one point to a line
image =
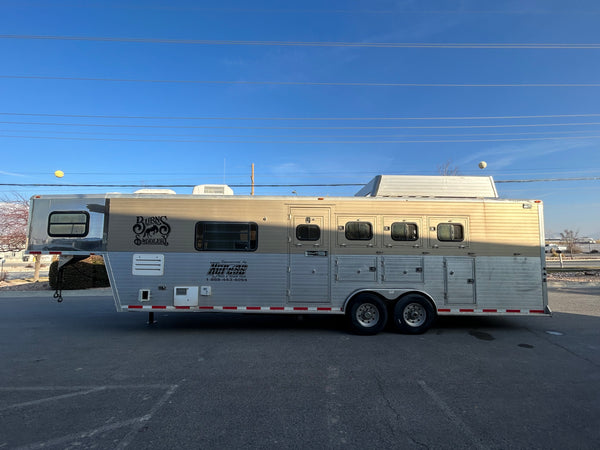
212	189
155	191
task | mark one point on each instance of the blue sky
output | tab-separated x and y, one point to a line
189	92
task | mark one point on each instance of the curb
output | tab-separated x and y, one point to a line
94	292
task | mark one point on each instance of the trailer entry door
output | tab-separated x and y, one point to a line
309	255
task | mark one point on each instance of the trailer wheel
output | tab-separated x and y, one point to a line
367	314
413	314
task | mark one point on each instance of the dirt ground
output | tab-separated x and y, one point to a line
18	276
25	285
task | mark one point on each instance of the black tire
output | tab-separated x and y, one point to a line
413	314
367	314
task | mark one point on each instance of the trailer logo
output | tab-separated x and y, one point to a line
227	271
151	230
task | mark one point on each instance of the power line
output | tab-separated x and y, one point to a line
529	133
534	46
146	7
395	127
529	172
175	185
103	116
212	141
309	10
543	180
300	83
539	180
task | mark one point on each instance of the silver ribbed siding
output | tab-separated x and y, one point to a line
480	283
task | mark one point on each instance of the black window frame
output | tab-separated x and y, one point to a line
72	235
349	238
308	237
454	226
251	227
416	235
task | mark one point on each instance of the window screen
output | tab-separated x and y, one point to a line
227	236
450	232
359	231
405	231
308	232
68	224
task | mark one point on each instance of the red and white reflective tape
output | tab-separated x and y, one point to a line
442	311
285	309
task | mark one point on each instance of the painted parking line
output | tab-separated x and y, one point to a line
452	417
135	423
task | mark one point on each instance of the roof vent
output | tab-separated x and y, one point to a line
154	191
212	189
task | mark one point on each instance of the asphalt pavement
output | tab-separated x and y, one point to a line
80	375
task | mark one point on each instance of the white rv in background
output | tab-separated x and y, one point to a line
405	249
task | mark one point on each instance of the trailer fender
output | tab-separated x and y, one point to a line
389	296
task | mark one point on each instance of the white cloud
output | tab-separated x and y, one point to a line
11	174
509	155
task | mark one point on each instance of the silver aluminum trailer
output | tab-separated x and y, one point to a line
404	248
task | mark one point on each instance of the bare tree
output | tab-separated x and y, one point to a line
569	237
447	169
13	223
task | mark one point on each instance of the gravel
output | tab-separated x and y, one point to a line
589	276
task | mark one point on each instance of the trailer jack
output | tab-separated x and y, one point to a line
62	262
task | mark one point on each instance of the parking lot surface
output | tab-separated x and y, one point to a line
80	375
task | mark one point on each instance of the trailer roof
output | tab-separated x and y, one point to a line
429	186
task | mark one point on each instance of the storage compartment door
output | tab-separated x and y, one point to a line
459	280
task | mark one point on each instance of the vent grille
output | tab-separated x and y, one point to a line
212	189
148	264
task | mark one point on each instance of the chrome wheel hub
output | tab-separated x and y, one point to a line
414	314
367	315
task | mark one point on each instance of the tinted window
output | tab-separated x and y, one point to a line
450	232
403	231
68	224
359	231
227	236
308	232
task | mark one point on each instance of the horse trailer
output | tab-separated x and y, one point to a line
407	248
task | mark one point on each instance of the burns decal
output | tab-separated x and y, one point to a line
151	230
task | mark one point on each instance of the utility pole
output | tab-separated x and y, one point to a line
252	179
